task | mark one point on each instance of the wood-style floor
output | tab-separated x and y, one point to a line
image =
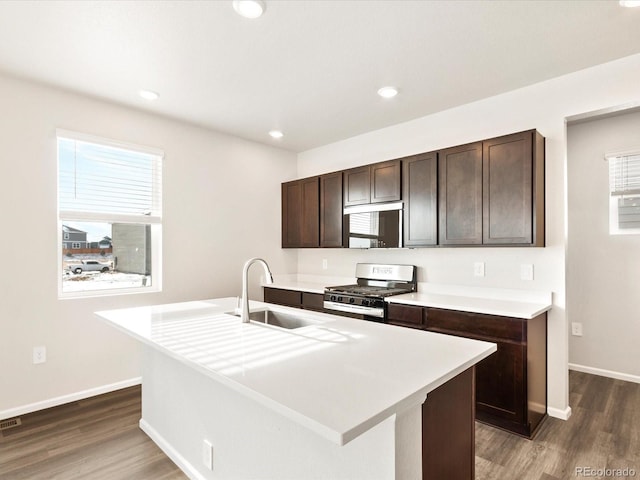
602	433
93	439
99	439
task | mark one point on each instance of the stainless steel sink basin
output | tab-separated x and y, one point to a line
279	319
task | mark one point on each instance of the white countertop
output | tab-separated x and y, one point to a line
525	304
338	377
308	283
490	306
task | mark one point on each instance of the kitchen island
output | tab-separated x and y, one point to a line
334	398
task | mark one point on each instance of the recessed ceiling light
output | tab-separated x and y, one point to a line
149	95
388	92
276	134
630	3
249	8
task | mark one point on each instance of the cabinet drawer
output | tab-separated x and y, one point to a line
290	298
312	301
404	315
475	325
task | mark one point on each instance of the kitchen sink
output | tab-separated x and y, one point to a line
279	319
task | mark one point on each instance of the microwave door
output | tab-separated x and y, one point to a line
379	229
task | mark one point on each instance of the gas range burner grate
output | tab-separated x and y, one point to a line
368	290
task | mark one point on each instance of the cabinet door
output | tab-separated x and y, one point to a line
507	189
460	195
310	231
291	214
420	195
357	186
404	315
385	181
501	384
278	296
331	213
300	213
313	301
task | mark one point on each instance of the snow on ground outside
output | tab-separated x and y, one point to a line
88	281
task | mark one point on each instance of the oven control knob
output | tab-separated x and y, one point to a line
333	298
339	299
351	300
365	303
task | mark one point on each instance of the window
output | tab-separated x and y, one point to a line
110	214
624	186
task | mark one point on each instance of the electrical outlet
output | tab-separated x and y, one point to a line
39	354
526	272
325	264
207	454
478	269
576	329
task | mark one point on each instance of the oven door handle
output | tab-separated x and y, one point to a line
343	307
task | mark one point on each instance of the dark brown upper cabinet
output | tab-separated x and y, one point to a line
492	192
460	195
376	183
483	193
301	213
513	190
420	196
357	186
331	213
385	181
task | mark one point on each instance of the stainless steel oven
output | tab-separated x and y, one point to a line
365	299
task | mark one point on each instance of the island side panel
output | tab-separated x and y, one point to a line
184	407
448	430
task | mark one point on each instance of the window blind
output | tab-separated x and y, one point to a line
624	175
103	179
624	185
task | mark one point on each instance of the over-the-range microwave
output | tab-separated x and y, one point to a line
373	226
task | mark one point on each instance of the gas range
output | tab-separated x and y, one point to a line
366	297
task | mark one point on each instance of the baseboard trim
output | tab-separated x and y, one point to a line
605	373
170	452
559	413
72	397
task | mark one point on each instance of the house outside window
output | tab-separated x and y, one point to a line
110	214
624	189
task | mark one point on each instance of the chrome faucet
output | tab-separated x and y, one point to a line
245	285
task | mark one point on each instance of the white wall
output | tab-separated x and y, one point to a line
543	106
221	206
603	270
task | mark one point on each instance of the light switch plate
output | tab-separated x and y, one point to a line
526	271
478	269
39	355
207	454
325	264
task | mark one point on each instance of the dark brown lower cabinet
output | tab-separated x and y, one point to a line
448	430
294	298
405	315
511	384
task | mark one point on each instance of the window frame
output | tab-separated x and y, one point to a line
154	221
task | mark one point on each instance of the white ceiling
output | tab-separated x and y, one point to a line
309	68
